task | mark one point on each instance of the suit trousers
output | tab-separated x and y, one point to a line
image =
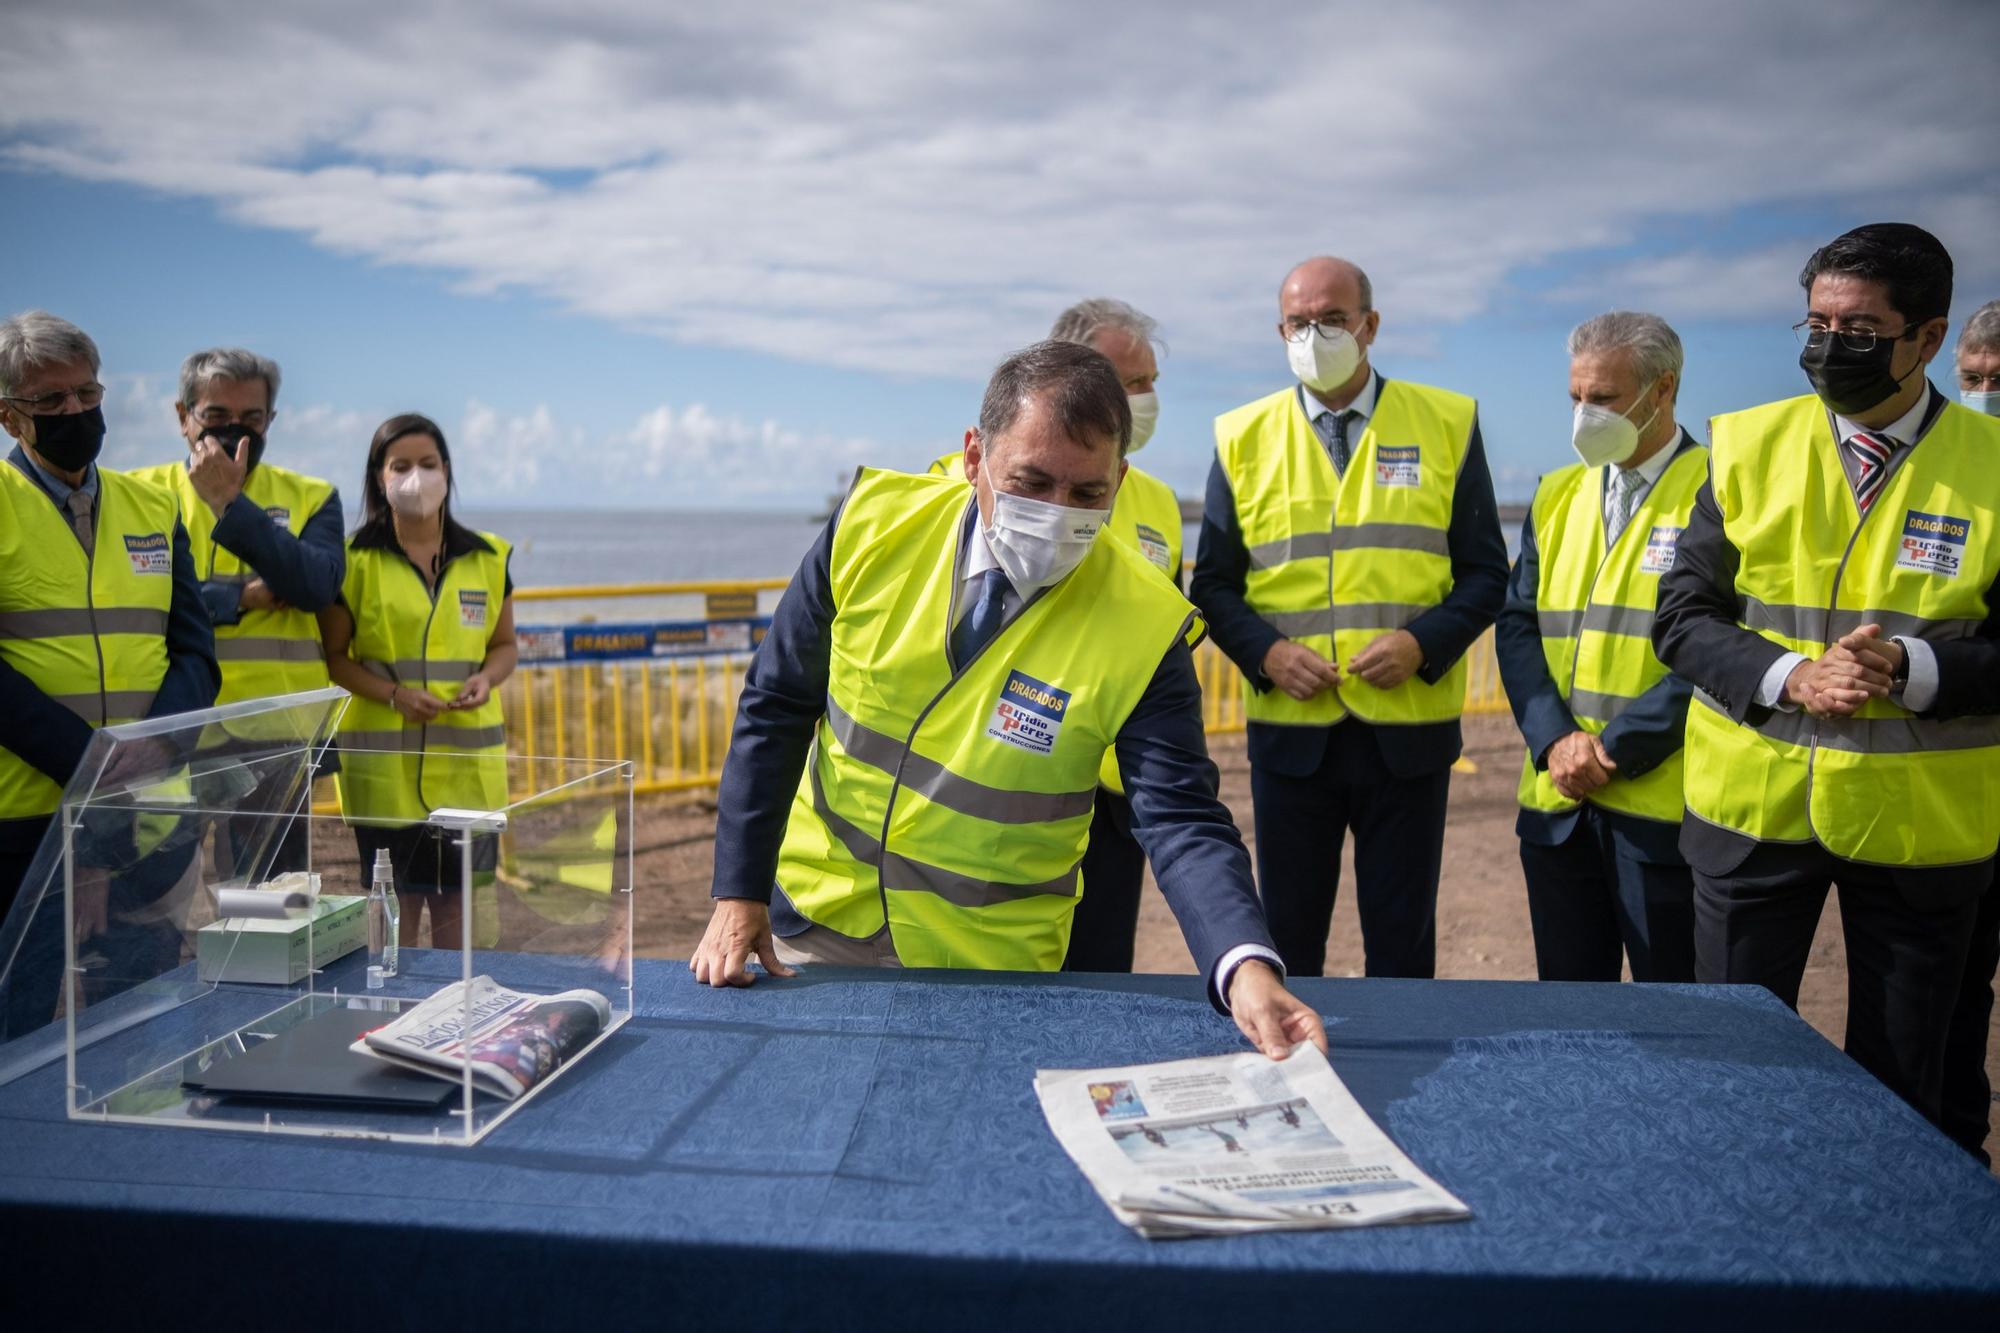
1114	868
1967	1096
1906	952
1593	900
1398	827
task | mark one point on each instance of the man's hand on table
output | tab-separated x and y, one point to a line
1272	1017
739	930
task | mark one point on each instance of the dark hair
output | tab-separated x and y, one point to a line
377	519
1080	383
1908	261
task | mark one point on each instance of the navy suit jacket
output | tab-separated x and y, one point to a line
44	733
1640	739
1187	832
1696	631
1445	631
304	571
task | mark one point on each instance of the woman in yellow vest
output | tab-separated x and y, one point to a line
422	637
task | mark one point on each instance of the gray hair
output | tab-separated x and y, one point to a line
1982	332
1083	389
34	340
1656	348
1086	319
227	363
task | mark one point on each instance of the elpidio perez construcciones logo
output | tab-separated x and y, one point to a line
1933	543
1029	713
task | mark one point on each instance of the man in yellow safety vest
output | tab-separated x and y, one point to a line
100	622
1147	517
1600	789
1833	601
268	547
1349	556
916	753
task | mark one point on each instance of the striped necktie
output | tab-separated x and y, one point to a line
1871	454
1625	484
1332	428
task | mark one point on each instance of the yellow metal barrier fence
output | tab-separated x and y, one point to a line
672	716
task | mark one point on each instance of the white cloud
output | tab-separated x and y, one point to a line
911	188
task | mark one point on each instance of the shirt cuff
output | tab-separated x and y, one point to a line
1771	689
1920	688
220	601
1225	970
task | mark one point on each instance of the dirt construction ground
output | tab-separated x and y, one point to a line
1482	910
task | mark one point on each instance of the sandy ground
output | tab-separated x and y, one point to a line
1482	904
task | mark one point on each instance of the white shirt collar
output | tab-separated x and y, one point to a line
978	555
1653	468
1903	429
1362	408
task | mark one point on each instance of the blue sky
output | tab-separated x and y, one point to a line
634	258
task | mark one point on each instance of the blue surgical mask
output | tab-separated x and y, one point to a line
1987	402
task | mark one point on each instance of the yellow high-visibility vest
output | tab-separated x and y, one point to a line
954	807
394	772
88	628
1884	786
1146	515
264	653
1595	607
1337	561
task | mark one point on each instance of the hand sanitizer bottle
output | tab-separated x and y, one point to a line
384	919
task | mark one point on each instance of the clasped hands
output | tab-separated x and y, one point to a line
1860	667
1385	663
419	705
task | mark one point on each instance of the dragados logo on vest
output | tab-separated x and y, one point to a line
1029	714
1399	465
1933	543
1661	544
472	608
150	554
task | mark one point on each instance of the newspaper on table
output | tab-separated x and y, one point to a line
1235	1143
516	1041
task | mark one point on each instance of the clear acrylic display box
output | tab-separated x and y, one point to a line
125	954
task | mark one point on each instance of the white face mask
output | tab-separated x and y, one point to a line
1145	416
1324	363
418	492
1987	402
1038	543
1600	435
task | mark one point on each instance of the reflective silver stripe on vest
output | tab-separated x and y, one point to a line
900	873
1346	616
262	648
935	782
1355	537
406	669
131	704
50	623
435	736
1874	735
1597	706
1600	617
1806	622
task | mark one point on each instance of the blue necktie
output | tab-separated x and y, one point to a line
1332	427
982	622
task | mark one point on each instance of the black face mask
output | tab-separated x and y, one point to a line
69	441
233	437
1848	381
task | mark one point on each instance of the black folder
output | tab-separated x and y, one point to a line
312	1062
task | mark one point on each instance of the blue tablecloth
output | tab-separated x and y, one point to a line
863	1149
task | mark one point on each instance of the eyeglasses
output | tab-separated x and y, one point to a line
1814	334
87	396
1328	325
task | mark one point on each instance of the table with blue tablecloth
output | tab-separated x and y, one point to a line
851	1149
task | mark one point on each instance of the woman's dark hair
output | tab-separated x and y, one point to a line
377	519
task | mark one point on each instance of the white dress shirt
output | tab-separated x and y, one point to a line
1919	691
1358	411
1649	472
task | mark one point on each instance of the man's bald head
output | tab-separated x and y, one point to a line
1324	280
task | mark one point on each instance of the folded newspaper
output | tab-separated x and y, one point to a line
1235	1143
516	1040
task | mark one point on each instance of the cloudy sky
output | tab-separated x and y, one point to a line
639	255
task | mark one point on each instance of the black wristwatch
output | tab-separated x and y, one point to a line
1901	675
